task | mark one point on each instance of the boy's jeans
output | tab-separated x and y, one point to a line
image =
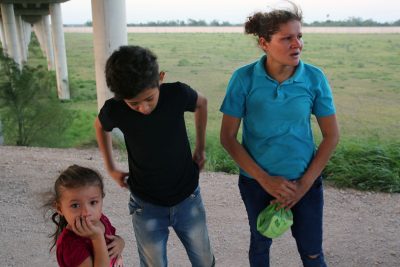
306	228
187	218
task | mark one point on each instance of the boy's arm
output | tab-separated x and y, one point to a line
200	120
116	246
104	141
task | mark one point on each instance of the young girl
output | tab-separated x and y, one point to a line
84	236
275	97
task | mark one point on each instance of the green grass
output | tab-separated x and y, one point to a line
366	167
362	70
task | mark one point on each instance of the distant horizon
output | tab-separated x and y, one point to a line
230	24
239	29
241	23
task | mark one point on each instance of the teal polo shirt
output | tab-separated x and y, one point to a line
276	116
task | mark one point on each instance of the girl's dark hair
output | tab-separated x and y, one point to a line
73	177
266	24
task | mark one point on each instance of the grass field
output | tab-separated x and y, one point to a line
363	70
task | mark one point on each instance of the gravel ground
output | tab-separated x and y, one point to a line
361	228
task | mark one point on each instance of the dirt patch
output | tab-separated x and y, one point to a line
361	228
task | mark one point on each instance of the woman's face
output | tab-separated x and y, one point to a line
285	46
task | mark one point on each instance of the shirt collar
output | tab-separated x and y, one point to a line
298	76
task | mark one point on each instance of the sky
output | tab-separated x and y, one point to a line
236	11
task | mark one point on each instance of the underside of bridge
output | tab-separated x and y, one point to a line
18	18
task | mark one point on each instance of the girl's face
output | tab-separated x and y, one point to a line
85	201
285	46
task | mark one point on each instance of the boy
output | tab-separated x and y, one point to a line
163	174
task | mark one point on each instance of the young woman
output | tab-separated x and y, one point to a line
275	97
84	236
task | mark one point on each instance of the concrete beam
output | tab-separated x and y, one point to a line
27	36
32	19
48	43
60	56
32	1
109	33
39	32
3	37
32	12
21	39
10	28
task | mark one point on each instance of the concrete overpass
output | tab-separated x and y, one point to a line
19	17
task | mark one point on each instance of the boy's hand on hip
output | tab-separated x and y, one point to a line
119	177
199	156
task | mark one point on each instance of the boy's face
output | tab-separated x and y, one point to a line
145	102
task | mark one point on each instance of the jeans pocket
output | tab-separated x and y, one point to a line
134	207
195	193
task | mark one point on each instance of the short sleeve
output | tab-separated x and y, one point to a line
323	103
105	117
109	229
235	98
189	97
73	251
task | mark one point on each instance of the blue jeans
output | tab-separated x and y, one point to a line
187	218
306	228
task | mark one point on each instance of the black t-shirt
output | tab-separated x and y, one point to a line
161	168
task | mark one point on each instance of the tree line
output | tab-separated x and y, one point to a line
350	22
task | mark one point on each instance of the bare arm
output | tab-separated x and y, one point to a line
200	121
104	141
101	258
116	246
330	138
277	186
100	252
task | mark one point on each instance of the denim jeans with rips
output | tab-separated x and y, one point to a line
306	228
188	219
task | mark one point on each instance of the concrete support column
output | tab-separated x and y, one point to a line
60	56
10	29
109	33
43	33
21	39
27	32
3	37
39	32
48	43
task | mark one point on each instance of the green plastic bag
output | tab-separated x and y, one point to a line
273	223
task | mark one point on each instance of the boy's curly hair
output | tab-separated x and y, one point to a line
130	70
